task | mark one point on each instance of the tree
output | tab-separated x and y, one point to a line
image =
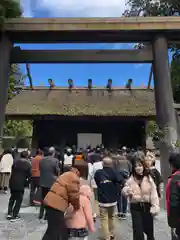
152	8
160	8
151	128
175	79
12	9
9	9
17	128
12	127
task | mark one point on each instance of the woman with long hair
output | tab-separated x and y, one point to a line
143	197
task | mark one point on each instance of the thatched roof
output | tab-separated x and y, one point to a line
79	102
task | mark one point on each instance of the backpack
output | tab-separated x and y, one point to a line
156	176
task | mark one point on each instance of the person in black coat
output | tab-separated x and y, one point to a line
173	196
124	167
21	173
107	180
95	156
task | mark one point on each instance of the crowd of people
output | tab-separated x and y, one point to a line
74	188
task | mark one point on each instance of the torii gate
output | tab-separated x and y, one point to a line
158	31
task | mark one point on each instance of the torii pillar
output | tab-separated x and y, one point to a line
165	112
5	51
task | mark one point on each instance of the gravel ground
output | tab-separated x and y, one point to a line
30	228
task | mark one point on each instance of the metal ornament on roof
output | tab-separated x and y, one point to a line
51	83
89	84
71	84
129	84
109	85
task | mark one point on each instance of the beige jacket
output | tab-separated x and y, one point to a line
147	192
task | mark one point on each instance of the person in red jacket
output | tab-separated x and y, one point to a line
173	195
35	175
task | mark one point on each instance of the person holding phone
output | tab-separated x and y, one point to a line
143	197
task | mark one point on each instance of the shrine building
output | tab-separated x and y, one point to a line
81	116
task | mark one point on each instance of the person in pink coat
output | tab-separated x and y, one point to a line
80	222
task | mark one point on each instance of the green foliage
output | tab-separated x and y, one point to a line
11	90
160	8
175	78
12	127
151	128
9	9
17	128
12	9
155	132
152	8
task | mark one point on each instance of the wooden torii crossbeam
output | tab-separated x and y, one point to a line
81	56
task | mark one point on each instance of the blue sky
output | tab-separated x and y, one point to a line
80	73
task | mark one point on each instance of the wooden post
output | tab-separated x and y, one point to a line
165	112
5	51
150	77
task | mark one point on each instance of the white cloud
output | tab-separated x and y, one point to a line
77	8
26	7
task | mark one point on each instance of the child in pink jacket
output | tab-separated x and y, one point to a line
79	222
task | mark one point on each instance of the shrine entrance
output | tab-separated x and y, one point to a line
157	31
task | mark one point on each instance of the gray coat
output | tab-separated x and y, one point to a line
121	163
49	171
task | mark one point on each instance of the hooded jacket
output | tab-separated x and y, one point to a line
83	217
63	192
